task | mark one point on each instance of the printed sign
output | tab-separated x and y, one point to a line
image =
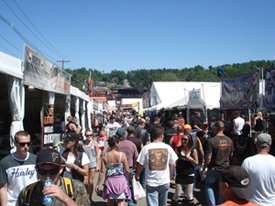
42	74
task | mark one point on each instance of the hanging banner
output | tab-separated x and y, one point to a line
49	137
48	121
269	97
241	92
42	74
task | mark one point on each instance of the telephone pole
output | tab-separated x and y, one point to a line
63	62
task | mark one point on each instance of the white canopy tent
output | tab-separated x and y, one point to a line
16	92
13	69
176	94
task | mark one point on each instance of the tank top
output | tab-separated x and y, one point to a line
114	168
91	153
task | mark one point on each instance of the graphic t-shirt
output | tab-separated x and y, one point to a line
156	158
112	128
17	173
221	148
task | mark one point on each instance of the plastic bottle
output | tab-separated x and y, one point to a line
47	200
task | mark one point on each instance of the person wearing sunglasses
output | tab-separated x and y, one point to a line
17	170
76	159
185	170
49	166
90	147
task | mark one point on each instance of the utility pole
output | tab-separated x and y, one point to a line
63	61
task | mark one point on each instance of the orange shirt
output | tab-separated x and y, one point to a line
238	203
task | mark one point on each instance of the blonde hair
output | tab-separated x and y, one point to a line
259	115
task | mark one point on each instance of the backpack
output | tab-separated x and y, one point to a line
68	185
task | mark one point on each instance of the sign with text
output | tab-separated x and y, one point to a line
42	74
49	137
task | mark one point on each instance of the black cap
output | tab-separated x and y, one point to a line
238	180
48	156
71	137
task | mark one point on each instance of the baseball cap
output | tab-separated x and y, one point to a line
263	140
238	180
48	156
120	132
71	137
187	127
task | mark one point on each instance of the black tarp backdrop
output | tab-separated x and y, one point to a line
241	92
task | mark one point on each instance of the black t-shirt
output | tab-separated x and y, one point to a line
196	121
259	125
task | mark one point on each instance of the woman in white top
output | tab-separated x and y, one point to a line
90	147
76	160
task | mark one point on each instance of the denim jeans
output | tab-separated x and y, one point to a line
212	187
157	196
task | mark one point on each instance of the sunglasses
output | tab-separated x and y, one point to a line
184	140
22	144
48	172
89	135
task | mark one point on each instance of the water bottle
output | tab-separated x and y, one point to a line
47	200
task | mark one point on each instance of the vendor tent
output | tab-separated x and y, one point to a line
176	94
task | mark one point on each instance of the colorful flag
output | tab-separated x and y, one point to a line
90	84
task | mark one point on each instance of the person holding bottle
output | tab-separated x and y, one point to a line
49	167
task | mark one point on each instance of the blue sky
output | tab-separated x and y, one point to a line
142	34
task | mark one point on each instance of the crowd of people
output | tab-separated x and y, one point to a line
233	166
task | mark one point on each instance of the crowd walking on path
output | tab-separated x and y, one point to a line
231	166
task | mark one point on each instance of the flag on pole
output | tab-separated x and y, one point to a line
90	84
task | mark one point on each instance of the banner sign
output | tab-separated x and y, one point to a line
49	137
48	121
269	98
42	74
195	100
146	100
241	92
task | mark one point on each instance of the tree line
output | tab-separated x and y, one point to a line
143	78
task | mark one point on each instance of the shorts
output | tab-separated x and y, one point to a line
117	197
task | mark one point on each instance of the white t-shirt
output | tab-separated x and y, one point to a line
84	161
156	158
17	173
261	170
238	123
111	128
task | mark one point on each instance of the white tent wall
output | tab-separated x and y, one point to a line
67	107
16	95
81	95
172	94
166	92
89	112
83	112
11	65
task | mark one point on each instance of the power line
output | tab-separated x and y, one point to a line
21	35
10	43
29	20
5	48
28	28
